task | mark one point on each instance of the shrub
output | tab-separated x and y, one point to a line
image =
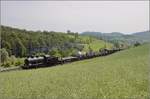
4	55
137	44
7	64
18	63
12	60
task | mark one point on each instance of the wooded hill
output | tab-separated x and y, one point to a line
20	42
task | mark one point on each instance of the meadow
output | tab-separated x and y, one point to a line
123	75
94	44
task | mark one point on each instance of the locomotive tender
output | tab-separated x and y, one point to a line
47	60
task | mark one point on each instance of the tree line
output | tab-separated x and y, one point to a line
21	43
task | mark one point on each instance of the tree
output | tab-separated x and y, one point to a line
4	55
22	42
137	44
76	35
7	46
12	59
116	44
68	31
20	49
52	52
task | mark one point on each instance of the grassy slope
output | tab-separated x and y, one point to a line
95	44
121	75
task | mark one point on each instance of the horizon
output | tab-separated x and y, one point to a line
125	17
72	31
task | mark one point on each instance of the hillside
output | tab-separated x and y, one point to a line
94	44
122	75
141	37
22	43
16	44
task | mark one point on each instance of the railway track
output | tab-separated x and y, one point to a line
10	69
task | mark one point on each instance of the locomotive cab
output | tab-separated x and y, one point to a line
50	60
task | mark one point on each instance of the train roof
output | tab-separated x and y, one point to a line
47	56
34	58
70	57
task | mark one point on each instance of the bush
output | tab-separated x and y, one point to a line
137	44
18	63
4	55
12	60
52	52
7	64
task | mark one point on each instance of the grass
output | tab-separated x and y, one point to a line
95	44
123	75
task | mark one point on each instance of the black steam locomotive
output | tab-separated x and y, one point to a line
47	60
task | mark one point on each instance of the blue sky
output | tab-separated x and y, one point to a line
78	16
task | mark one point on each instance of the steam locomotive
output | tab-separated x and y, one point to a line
47	60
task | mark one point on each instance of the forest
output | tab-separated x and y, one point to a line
22	42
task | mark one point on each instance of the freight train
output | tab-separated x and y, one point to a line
47	60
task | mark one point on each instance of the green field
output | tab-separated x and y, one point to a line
123	75
95	44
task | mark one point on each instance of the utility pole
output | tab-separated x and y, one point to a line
105	40
30	46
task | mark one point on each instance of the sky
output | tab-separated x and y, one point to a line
78	16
